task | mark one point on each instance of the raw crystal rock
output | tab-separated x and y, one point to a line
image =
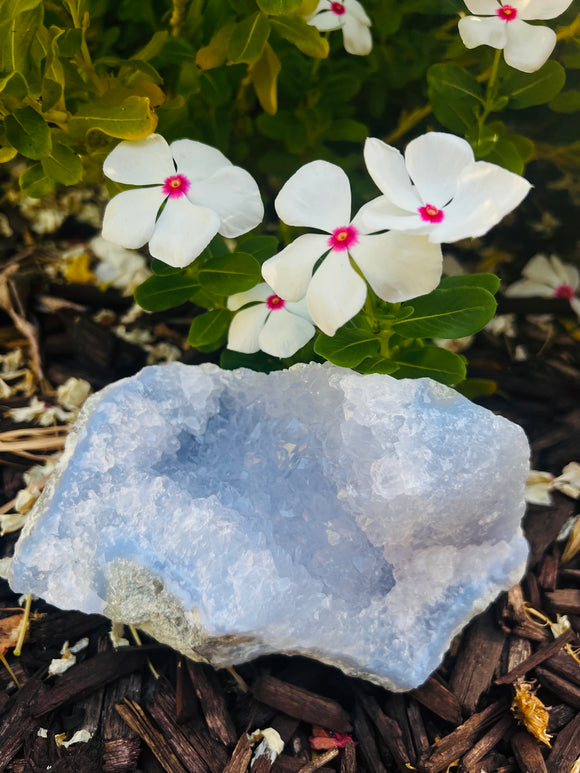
356	519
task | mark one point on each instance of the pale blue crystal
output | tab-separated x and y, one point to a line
357	519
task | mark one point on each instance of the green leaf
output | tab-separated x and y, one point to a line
305	37
348	347
153	48
452	313
162	269
529	89
264	74
566	102
430	362
345	129
260	361
476	387
133	119
231	273
28	133
11	8
506	154
489	282
159	293
278	7
51	93
377	365
209	329
34	182
17	32
261	247
216	52
248	39
455	95
63	165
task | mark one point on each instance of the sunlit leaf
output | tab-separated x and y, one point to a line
264	76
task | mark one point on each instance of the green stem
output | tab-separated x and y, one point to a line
491	89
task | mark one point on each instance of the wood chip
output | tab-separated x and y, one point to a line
136	718
453	746
471	761
565	666
566	748
241	756
565	690
477	661
315	765
417	727
348	758
565	602
301	704
538	657
389	731
367	743
211	698
440	700
527	752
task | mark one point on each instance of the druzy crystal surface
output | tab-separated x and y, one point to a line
357	519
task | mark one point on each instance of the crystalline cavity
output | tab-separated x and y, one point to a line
357	519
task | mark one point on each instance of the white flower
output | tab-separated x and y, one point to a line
397	266
438	189
548	278
271	324
203	194
73	393
118	267
348	15
525	46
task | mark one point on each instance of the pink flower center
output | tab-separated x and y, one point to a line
344	237
431	214
274	302
507	12
176	186
338	8
564	291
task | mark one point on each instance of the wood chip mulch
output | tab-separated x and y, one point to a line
146	708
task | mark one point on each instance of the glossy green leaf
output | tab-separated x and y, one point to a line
17	33
35	183
566	102
165	292
248	39
377	365
229	274
489	282
133	119
430	362
507	154
259	361
261	247
63	164
162	269
209	329
455	95
11	8
154	47
305	37
28	133
278	7
264	76
348	347
451	313
476	387
536	88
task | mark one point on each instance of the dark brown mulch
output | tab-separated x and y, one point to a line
189	718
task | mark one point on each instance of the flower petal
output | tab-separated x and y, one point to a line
357	37
325	21
575	305
316	196
289	272
182	232
434	161
529	288
528	46
233	194
258	293
540	9
284	333
336	293
140	162
196	160
397	266
129	218
245	329
488	31
541	270
387	168
355	9
299	307
485	194
484	7
381	214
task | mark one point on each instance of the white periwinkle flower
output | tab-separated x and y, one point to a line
397	266
202	192
438	189
351	17
275	326
548	278
525	46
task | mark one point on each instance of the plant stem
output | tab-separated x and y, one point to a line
491	89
